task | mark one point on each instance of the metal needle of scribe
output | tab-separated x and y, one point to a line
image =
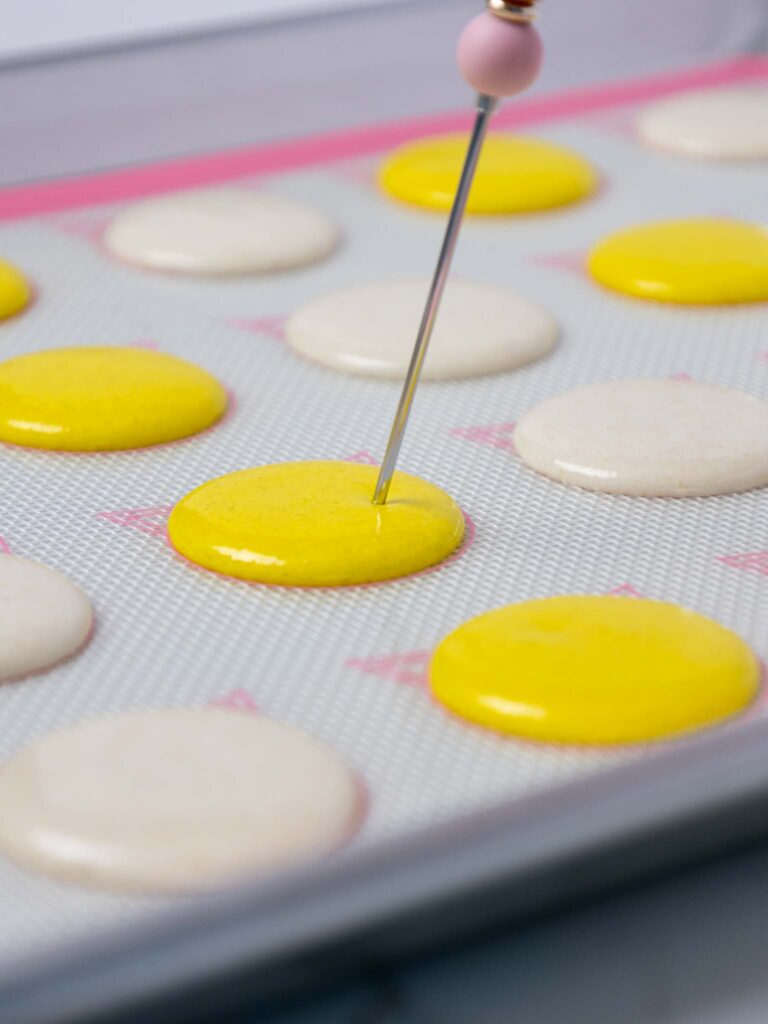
485	108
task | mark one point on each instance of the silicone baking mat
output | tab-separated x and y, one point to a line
348	666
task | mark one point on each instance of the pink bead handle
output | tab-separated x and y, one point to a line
498	57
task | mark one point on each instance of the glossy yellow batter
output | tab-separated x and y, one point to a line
594	670
709	260
312	524
514	175
104	399
15	292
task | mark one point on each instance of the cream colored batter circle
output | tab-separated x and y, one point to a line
713	124
369	330
222	231
658	438
43	617
173	799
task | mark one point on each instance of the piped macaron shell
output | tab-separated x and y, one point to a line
15	290
707	261
594	670
514	174
104	399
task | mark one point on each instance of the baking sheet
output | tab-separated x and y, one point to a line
348	666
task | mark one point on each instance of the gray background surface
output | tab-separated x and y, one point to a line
289	78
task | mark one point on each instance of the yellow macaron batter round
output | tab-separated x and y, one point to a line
514	175
594	670
313	524
15	291
104	399
709	260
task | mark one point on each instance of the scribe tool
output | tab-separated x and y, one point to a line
499	55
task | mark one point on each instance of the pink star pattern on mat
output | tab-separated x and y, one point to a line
614	122
361	456
151	521
499	435
569	262
236	700
272	326
144	343
86	227
756	561
4	547
362	172
408	668
685	377
624	590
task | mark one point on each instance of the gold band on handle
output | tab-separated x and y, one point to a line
519	10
